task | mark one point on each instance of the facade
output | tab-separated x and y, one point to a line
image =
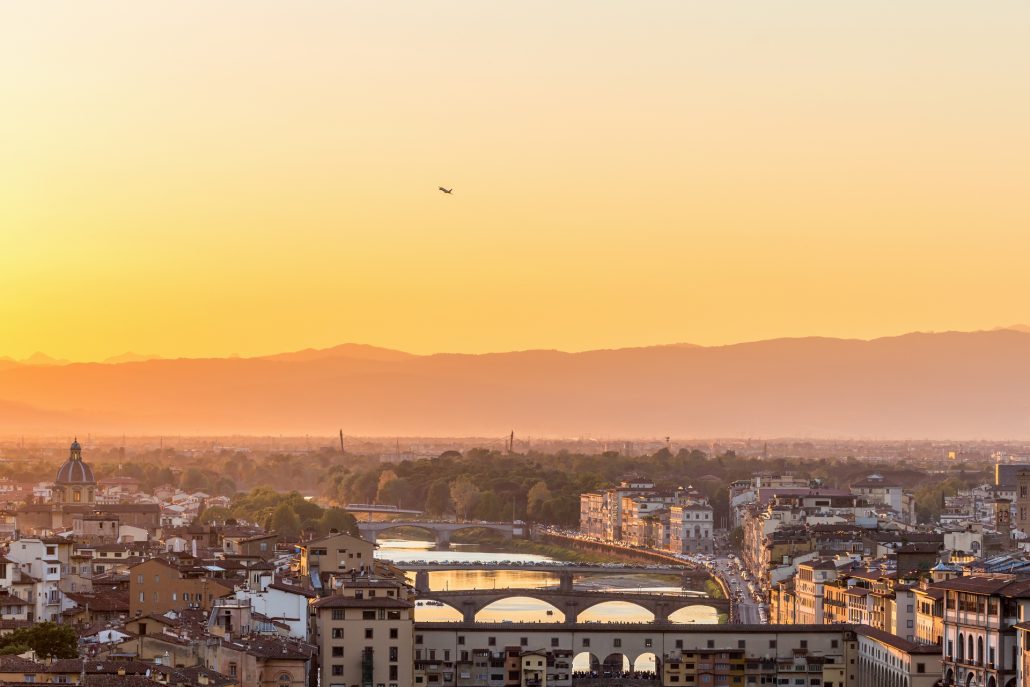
365	635
335	553
159	585
691	529
885	660
980	639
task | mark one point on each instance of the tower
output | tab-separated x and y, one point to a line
1022	522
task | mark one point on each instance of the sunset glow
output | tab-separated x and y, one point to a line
193	178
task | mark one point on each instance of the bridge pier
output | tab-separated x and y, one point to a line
443	539
571	611
468	611
422	581
661	612
565	581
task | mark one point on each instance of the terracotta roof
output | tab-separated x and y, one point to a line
340	601
1006	585
897	642
292	589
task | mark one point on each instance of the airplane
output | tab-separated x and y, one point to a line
448	191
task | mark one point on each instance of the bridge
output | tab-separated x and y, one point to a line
629	645
571	602
690	577
442	531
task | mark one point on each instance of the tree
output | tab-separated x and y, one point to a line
214	514
538	495
338	519
284	520
395	492
438	499
48	640
464	494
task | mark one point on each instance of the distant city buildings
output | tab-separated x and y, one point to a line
636	513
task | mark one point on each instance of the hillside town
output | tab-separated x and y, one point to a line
833	587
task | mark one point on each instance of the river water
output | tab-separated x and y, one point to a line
522	609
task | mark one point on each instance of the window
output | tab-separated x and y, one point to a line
368	633
393	656
711	643
418	639
461	639
232	670
337	669
393	633
554	641
337	652
393	672
772	643
524	641
142	597
285	679
491	641
647	642
833	643
337	633
920	667
337	614
617	641
741	643
139	579
368	615
804	643
586	641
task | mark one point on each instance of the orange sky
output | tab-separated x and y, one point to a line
199	178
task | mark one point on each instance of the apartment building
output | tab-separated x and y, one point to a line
980	639
166	584
335	553
365	634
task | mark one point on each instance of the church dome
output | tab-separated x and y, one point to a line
75	470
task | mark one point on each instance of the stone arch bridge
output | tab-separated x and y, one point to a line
442	531
570	602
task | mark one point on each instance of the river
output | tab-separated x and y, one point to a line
522	609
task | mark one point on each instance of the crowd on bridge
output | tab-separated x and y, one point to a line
615	674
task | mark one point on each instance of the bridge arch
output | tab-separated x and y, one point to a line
586	662
647	662
615	662
592	606
441	605
382	531
558	613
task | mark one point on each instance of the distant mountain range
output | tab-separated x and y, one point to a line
959	385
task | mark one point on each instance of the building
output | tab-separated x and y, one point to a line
885	659
691	528
335	553
980	638
73	495
365	635
171	583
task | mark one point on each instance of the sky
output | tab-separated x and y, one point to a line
193	178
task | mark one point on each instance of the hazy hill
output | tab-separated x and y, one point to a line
958	385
